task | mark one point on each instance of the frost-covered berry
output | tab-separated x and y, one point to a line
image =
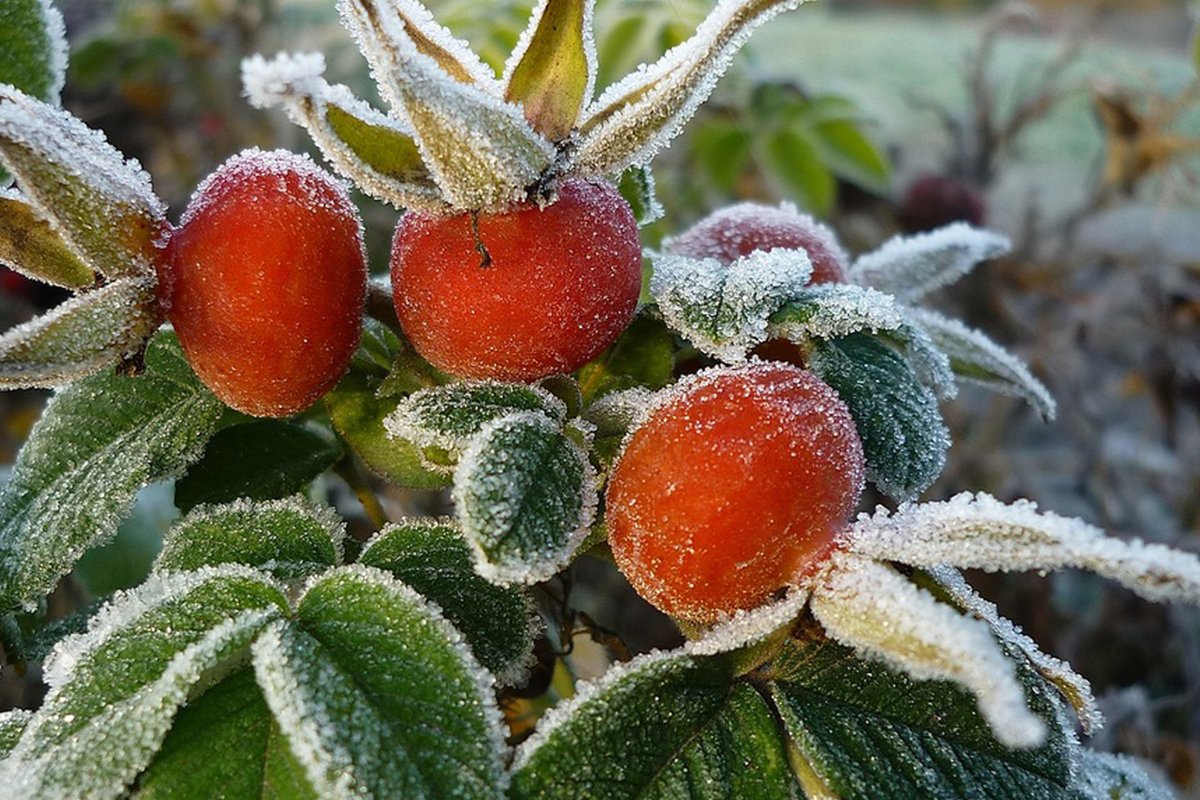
736	484
521	294
739	230
268	278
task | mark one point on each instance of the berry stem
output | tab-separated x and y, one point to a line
348	470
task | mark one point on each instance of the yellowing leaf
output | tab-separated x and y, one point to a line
553	69
29	245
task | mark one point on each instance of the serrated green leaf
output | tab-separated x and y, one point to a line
525	495
12	725
791	159
289	538
432	557
636	185
872	734
357	408
103	206
667	726
258	460
904	438
114	690
553	68
99	441
448	416
644	355
225	744
30	246
85	334
846	150
378	696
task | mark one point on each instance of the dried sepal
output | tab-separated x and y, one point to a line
912	266
640	114
85	334
374	150
30	246
977	359
873	609
481	151
102	205
977	531
1073	686
552	71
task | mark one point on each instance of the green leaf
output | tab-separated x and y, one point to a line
910	267
447	417
432	557
30	246
792	160
553	68
85	334
357	408
225	744
1107	776
846	150
644	355
290	538
115	690
103	206
378	696
258	460
872	734
35	51
664	726
12	725
833	310
526	496
636	185
99	441
904	438
722	149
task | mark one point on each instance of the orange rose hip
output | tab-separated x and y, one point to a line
735	485
267	284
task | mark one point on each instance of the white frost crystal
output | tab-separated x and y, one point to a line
911	267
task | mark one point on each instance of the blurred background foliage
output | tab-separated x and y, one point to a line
1071	125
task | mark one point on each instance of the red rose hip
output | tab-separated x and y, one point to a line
267	284
735	485
741	229
522	294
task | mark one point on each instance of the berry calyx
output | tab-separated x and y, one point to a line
735	485
741	229
267	282
521	294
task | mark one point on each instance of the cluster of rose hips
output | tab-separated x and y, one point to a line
736	483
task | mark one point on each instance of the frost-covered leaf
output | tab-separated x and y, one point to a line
526	496
664	726
911	267
976	358
723	310
378	695
643	356
1106	776
639	115
12	725
636	185
99	441
35	51
552	70
375	151
258	460
225	744
868	733
357	407
613	416
447	417
870	607
115	689
1073	686
749	627
289	538
929	364
904	438
83	335
30	246
101	204
480	149
833	310
977	531
432	557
